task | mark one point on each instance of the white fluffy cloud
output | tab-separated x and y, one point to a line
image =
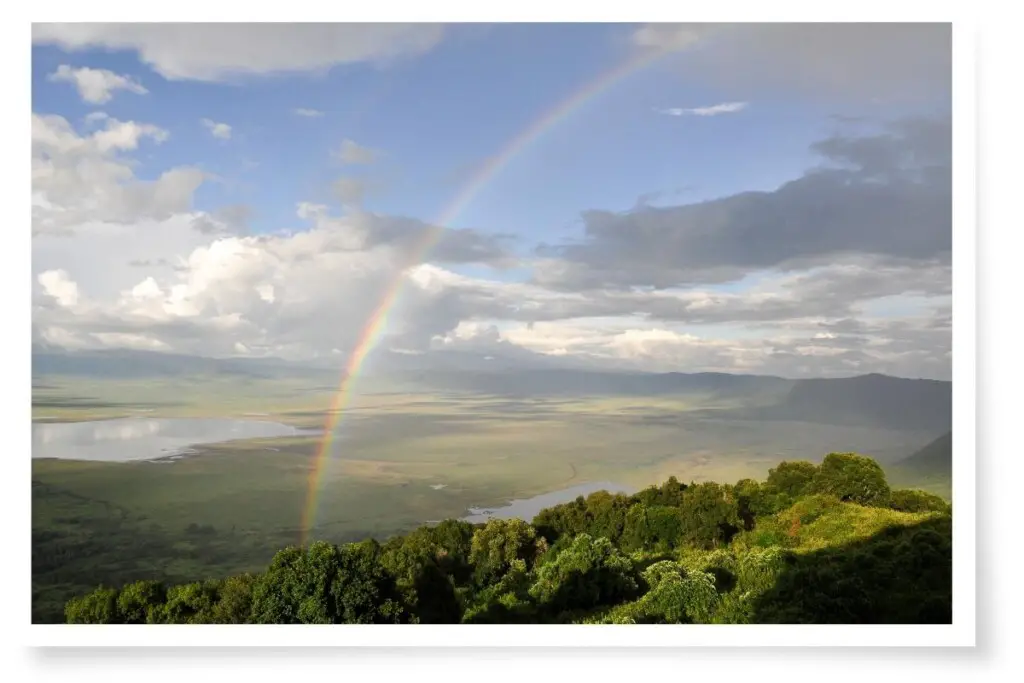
222	51
221	131
57	285
77	178
96	86
710	110
843	270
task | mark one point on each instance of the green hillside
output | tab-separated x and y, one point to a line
828	543
929	469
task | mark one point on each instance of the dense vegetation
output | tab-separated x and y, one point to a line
829	543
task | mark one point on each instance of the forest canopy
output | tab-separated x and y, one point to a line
828	543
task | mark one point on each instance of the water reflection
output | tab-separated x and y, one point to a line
137	438
528	508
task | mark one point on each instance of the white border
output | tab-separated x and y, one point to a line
962	632
501	636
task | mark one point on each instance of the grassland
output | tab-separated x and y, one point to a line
228	508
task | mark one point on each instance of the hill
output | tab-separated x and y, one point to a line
930	468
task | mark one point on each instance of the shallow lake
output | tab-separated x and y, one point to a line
528	508
144	438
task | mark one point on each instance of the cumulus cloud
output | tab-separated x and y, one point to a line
842	270
307	113
57	285
223	51
96	86
299	294
221	131
81	178
712	110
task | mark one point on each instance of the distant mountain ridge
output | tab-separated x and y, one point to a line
894	402
866	400
126	364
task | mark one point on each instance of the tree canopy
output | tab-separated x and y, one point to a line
811	544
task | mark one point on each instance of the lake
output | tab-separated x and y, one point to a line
528	508
145	438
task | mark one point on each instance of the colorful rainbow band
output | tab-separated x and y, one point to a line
371	332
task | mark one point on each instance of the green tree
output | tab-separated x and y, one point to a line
670	493
138	602
852	477
657	528
791	478
606	515
498	543
753	500
676	596
589	573
562	521
427	564
190	603
505	602
326	584
709	514
97	607
234	605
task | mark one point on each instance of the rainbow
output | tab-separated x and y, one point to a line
371	332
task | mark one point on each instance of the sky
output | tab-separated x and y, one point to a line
771	199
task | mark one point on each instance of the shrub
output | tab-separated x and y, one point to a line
910	500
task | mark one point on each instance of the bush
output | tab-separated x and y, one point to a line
910	500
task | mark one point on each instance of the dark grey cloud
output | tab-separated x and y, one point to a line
884	195
417	240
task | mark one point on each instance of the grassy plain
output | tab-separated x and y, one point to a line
399	459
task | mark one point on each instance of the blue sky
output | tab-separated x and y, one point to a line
453	98
438	117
